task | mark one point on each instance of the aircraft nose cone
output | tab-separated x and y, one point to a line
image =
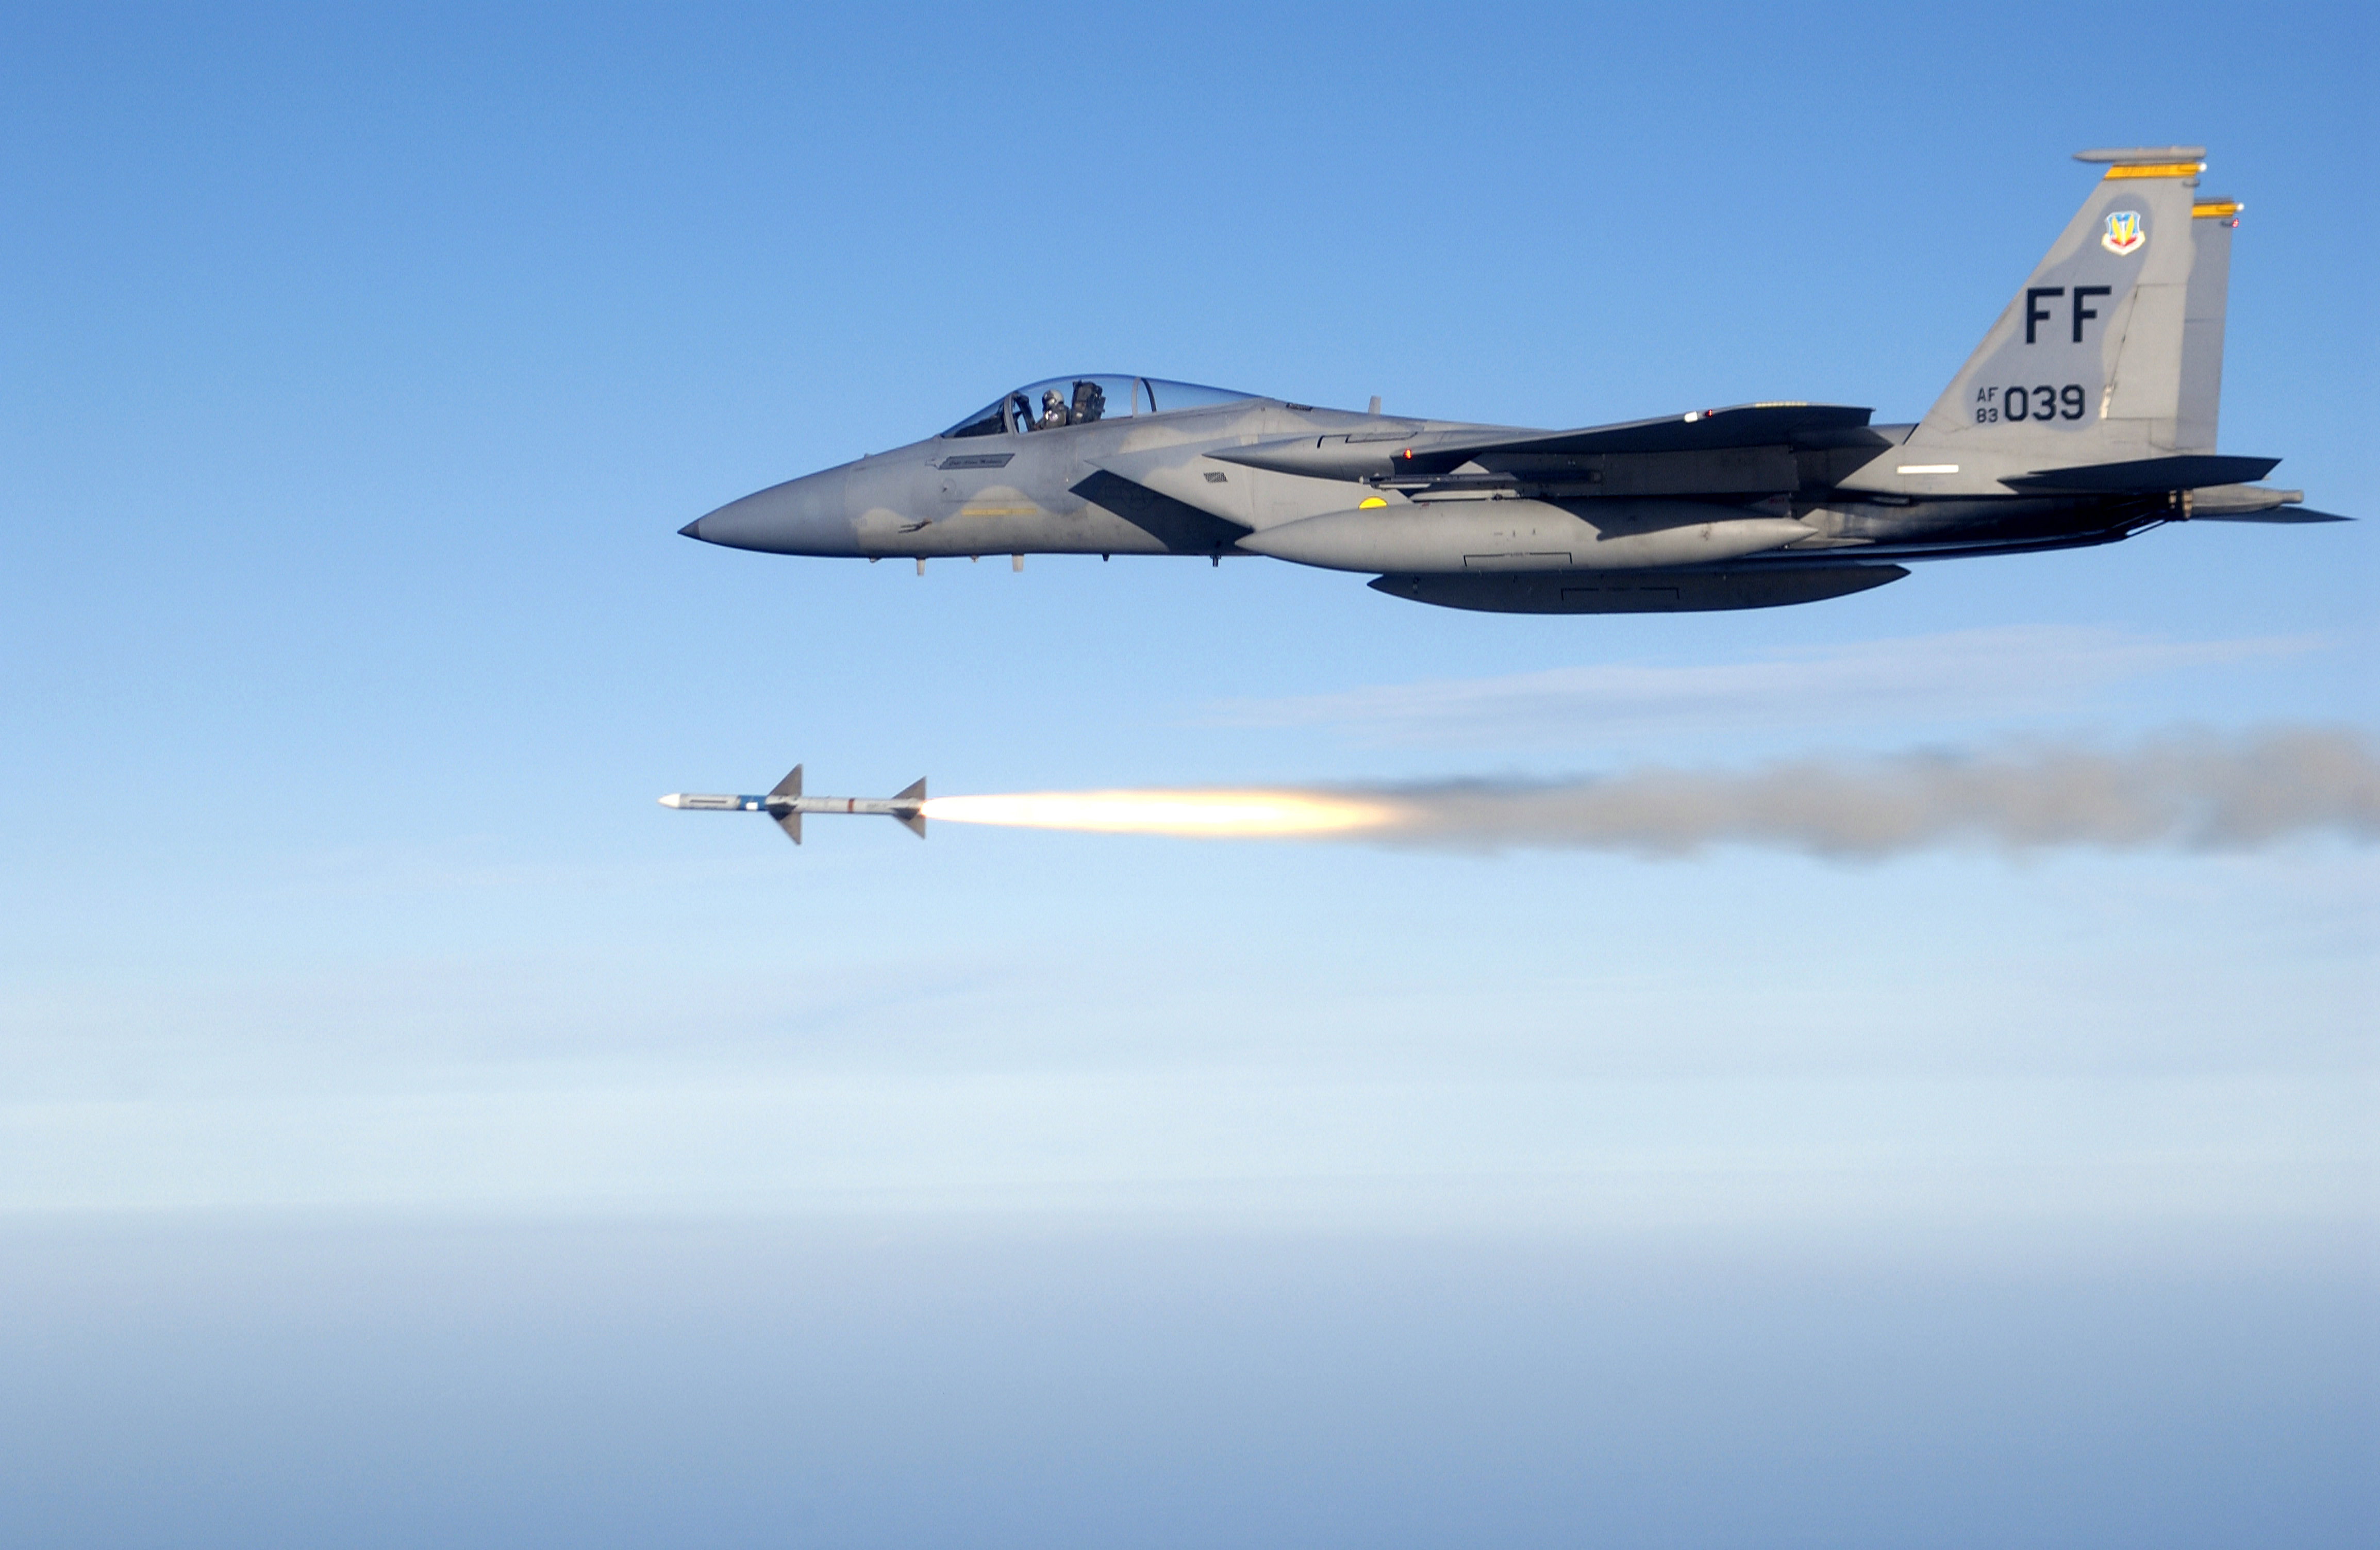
801	516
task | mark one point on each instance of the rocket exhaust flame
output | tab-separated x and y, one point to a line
1262	814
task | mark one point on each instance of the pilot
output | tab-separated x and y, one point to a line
1053	410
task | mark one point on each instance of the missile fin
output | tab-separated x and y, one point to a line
791	822
915	821
791	785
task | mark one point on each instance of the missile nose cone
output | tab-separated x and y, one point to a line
669	801
691	530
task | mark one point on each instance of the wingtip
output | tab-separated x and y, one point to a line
2136	155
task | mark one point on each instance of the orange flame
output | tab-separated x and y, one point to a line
1205	813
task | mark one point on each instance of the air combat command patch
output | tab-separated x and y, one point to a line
2124	234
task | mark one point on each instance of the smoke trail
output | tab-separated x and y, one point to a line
2194	791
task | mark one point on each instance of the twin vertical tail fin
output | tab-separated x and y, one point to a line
2111	352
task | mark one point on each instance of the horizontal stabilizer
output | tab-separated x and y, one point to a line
2276	513
2148	476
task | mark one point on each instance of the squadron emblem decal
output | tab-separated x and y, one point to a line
2124	234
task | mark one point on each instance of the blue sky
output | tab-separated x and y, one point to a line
406	1127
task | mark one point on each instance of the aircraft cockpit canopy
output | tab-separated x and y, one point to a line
1063	401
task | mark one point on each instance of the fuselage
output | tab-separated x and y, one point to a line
1165	483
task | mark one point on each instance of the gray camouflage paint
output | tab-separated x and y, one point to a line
2088	414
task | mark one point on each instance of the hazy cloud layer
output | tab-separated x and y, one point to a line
2196	791
2021	670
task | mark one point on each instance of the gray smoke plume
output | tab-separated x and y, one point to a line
2190	791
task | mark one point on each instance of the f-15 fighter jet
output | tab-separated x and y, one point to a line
2087	415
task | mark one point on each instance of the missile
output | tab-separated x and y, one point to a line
786	803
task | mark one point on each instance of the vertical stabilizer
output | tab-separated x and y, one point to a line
2110	352
2211	224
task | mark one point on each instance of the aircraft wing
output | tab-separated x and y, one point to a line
1748	449
1745	425
2151	475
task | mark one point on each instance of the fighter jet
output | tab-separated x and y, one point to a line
2087	415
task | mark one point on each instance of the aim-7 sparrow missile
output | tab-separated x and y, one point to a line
786	804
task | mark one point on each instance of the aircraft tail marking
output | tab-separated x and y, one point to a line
2110	352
